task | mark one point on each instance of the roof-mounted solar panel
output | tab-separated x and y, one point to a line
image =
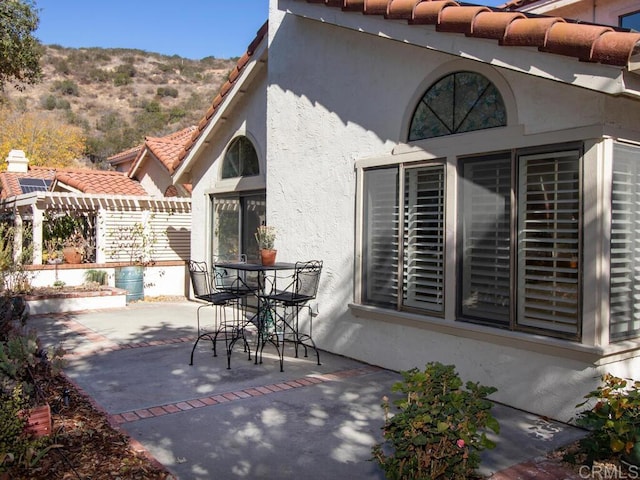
28	185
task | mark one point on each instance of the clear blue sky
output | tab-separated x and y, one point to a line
189	28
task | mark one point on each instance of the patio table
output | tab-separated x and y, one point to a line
266	283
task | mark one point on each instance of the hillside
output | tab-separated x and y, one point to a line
119	96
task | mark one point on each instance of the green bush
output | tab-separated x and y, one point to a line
614	420
15	446
48	102
121	79
439	427
167	92
67	87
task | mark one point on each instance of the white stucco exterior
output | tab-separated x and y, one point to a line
334	100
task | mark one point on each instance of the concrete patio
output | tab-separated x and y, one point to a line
204	421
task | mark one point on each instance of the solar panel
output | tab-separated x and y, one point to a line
28	185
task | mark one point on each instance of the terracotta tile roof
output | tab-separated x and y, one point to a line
100	182
168	149
224	90
128	154
590	43
9	185
84	180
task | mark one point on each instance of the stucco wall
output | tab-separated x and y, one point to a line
248	118
336	96
595	11
154	177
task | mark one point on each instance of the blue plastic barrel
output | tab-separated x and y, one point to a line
131	279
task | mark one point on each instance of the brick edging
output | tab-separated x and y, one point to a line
236	395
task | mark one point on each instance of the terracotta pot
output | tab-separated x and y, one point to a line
71	255
38	421
268	257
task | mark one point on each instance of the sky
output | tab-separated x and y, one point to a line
189	28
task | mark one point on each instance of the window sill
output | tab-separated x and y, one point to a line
523	341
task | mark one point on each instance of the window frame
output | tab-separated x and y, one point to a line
635	13
401	303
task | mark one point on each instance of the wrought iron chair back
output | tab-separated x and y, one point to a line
200	280
307	280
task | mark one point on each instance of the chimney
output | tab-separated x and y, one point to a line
17	162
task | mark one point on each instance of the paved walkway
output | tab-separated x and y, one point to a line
204	421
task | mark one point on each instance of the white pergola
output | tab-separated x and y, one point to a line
171	220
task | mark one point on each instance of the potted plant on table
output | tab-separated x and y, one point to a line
266	237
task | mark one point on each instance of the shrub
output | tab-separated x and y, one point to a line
67	87
439	428
121	79
48	102
95	276
614	420
167	92
16	447
126	69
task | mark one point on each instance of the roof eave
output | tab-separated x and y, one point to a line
529	60
248	73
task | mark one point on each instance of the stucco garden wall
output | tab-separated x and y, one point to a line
338	96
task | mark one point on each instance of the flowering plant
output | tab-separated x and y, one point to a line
266	237
440	427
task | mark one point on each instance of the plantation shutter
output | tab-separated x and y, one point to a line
625	244
381	237
486	239
548	244
424	229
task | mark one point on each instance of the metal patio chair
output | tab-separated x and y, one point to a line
284	306
204	289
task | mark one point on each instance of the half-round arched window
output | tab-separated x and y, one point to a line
457	103
241	159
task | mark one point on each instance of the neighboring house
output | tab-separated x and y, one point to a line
109	200
469	176
123	161
20	178
153	163
619	13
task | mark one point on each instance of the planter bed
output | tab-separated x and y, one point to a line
52	301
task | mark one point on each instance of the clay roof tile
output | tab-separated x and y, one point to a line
529	32
572	39
428	13
459	19
493	24
615	48
376	7
401	9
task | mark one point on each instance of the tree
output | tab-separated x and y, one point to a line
45	139
20	51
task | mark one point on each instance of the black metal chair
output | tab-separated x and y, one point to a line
284	306
204	289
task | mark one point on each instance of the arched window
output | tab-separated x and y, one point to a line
457	103
241	159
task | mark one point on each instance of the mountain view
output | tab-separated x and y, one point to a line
119	96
